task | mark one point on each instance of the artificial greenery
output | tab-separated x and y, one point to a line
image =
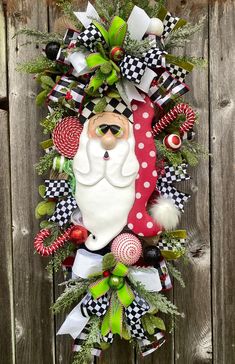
67	9
151	323
174	158
93	338
135	47
37	65
52	119
72	293
175	273
45	162
38	36
59	256
108	262
157	300
182	35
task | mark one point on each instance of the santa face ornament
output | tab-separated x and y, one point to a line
105	167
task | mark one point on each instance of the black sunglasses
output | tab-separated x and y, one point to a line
104	128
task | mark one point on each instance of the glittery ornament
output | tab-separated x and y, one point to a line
126	248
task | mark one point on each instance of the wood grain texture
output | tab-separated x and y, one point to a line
32	287
193	333
222	96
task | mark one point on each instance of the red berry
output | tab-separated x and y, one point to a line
68	96
106	273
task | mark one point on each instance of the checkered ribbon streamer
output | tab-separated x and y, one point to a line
165	88
147	347
90	37
176	71
164	185
79	341
62	87
70	40
91	306
63	211
154	58
174	174
166	245
57	188
164	275
113	105
134	312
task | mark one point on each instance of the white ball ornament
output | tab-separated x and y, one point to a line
172	142
126	248
155	27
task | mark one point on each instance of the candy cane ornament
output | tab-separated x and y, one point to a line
58	243
172	115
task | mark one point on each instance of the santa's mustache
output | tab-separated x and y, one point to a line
93	163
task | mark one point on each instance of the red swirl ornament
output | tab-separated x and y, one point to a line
172	115
66	136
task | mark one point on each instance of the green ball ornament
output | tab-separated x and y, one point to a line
116	282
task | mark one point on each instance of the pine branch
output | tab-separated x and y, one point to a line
56	262
51	120
174	158
159	301
71	294
180	36
175	273
38	36
84	355
136	47
37	65
45	162
68	10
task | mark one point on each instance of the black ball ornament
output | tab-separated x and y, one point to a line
52	50
152	255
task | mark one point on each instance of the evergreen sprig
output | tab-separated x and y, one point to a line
37	65
175	273
52	119
174	158
45	162
66	7
180	36
60	255
136	47
158	300
71	294
84	355
38	36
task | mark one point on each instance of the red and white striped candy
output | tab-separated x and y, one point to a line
172	115
66	136
58	243
126	248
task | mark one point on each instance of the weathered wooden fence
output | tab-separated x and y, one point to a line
27	327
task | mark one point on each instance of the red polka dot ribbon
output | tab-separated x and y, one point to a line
66	136
172	115
139	221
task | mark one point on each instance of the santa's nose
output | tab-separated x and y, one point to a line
108	141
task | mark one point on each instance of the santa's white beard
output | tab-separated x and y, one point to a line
105	189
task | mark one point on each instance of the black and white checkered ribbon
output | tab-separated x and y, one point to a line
166	88
63	211
166	245
113	105
62	87
164	185
134	312
70	40
56	188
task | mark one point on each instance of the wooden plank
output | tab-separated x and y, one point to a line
193	334
7	344
32	287
6	292
222	95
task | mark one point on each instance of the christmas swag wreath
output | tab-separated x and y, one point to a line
120	140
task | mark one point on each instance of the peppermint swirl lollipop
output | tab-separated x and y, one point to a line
66	136
126	248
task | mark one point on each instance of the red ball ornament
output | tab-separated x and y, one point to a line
106	273
66	136
172	142
126	248
78	234
117	54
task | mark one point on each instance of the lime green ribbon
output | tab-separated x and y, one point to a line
109	71
120	298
